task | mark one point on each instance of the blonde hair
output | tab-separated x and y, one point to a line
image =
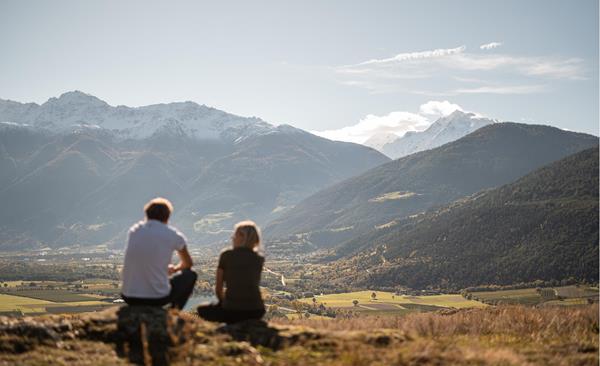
251	233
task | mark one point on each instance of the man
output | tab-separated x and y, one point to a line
147	266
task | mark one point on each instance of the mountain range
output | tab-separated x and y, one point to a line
491	156
445	129
543	226
77	110
77	171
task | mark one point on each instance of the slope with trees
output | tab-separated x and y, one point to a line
489	157
544	226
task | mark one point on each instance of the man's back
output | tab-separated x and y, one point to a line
149	251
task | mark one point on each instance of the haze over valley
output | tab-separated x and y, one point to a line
77	171
299	183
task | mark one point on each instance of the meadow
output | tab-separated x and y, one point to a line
26	298
563	295
387	303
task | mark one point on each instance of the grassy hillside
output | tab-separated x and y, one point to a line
544	226
514	335
489	157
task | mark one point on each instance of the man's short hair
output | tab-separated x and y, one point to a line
158	209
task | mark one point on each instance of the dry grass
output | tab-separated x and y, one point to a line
547	322
494	336
507	335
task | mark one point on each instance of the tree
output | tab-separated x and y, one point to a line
373	296
314	301
355	302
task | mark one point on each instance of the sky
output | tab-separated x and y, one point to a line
345	70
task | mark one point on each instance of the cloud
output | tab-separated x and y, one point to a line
411	56
397	123
510	89
568	69
452	68
490	46
434	107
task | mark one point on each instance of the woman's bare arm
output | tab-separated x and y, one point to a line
219	285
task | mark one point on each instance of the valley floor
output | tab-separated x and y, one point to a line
503	335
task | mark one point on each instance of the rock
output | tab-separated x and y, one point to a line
25	335
258	332
145	334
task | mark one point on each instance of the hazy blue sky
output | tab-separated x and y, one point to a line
317	65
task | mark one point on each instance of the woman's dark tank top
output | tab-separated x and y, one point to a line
242	268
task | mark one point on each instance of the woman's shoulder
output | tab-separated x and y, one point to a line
226	252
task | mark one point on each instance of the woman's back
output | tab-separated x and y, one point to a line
242	268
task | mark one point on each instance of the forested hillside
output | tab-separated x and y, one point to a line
489	157
544	226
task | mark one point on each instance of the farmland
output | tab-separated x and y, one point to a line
387	303
391	304
15	305
27	298
563	295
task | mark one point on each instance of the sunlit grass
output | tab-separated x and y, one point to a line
345	300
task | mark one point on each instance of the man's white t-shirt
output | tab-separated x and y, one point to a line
150	247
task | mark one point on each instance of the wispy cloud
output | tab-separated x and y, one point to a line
490	46
411	56
397	123
407	72
511	89
571	68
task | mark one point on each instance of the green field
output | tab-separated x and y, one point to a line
23	304
526	296
388	303
569	295
11	304
53	295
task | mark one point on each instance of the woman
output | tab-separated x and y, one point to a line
239	269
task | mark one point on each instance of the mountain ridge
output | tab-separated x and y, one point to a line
445	129
543	226
493	155
75	108
86	184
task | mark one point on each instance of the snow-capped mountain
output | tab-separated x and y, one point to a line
442	131
379	140
76	109
77	171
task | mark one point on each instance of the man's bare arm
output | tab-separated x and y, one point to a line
185	261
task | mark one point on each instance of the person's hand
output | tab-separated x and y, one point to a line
171	269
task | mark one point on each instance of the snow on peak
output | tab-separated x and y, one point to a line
379	140
445	129
78	109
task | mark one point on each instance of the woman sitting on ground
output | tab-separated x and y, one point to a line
239	269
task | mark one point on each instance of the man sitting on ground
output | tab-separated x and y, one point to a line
147	266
